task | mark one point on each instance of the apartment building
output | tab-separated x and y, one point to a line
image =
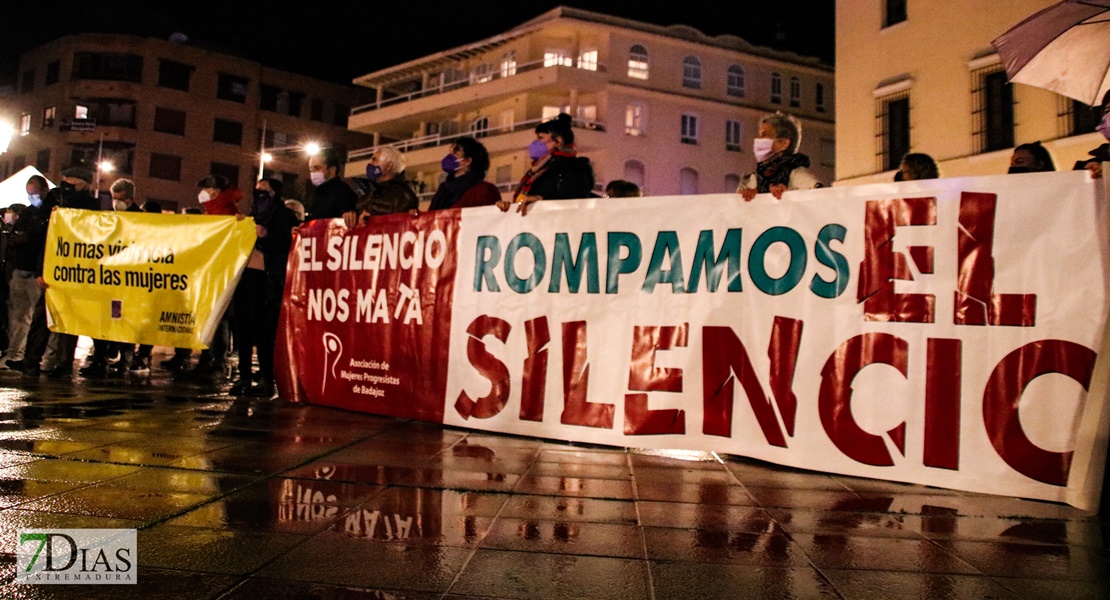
922	76
166	113
669	108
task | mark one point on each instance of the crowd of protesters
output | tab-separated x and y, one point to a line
250	323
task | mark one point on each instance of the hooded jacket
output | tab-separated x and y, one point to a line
226	203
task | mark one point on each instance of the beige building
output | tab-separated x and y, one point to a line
922	76
669	108
167	113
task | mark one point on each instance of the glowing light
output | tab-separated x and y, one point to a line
6	133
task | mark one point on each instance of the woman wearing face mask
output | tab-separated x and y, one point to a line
217	196
560	174
1031	158
389	191
1102	153
465	185
780	167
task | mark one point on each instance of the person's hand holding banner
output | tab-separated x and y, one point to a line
143	278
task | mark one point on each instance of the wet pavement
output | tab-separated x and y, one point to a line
249	498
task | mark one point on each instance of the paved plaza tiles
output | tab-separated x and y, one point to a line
249	498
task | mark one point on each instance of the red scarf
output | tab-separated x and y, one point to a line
540	166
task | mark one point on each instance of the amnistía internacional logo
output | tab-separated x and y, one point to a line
76	556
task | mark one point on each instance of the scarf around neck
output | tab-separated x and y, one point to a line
776	170
541	165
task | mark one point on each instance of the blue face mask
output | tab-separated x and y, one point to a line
34	200
537	150
450	163
373	172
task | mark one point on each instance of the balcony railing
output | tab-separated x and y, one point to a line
475	79
439	139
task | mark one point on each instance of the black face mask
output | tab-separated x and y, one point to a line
1014	170
262	196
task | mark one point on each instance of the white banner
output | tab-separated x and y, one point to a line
940	332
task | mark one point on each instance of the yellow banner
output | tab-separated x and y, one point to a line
143	278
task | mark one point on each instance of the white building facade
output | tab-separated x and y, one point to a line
668	108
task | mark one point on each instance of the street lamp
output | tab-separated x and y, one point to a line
265	154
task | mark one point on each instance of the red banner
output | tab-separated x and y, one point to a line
367	315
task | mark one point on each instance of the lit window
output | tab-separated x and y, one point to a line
550	112
81	111
689	129
776	88
25	124
795	92
556	58
732	136
691	73
638	62
634	119
508	65
587	61
736	81
48	115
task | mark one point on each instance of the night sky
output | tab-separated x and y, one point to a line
344	44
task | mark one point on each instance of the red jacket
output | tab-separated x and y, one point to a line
226	203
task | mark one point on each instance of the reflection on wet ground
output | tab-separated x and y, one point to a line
248	499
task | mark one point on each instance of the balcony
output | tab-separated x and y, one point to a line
483	135
478	90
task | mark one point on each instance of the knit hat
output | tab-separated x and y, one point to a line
79	173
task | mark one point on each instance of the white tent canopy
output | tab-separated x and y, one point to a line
13	190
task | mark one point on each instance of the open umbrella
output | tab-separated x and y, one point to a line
1064	48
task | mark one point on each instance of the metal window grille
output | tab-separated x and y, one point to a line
992	114
892	130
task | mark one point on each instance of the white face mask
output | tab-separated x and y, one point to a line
119	205
1103	126
762	148
204	196
317	177
34	199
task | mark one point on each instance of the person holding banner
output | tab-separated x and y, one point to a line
389	193
465	186
123	199
917	167
560	174
1031	158
780	166
218	197
333	196
73	192
25	300
1102	153
257	300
